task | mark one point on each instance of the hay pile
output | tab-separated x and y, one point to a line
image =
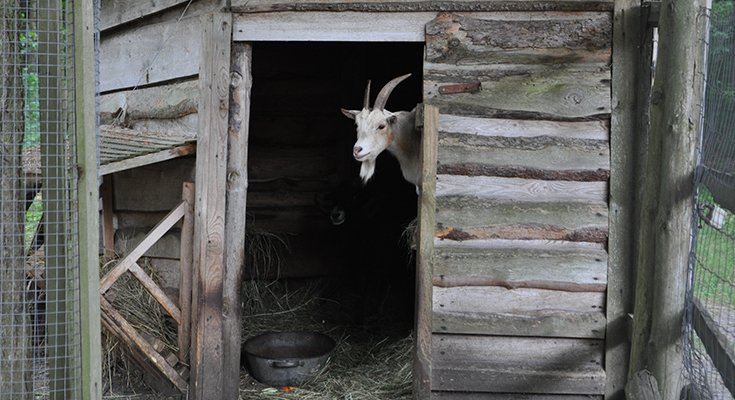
143	312
363	366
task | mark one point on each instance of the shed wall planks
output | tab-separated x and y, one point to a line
150	54
420	5
520	260
517	364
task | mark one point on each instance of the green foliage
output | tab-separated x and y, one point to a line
715	254
33	218
31	109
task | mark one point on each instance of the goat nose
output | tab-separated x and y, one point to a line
356	150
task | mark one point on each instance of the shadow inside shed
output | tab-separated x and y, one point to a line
301	170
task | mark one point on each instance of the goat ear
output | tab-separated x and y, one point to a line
392	119
351	114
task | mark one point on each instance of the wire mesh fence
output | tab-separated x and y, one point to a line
40	341
711	317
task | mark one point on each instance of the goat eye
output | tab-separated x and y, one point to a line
381	126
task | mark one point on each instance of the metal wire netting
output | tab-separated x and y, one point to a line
711	317
40	343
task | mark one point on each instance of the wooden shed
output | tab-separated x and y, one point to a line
523	250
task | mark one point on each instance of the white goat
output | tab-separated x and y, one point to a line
379	129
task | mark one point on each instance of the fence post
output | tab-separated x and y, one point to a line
673	127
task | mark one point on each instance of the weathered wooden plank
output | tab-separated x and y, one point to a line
424	253
535	158
171	308
484	215
519	312
626	172
521	263
146	159
108	229
126	333
508	396
185	271
154	187
156	233
521	190
517	364
150	54
117	12
159	102
381	6
236	202
518	128
86	209
548	93
207	355
342	27
451	38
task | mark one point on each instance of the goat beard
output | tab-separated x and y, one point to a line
367	169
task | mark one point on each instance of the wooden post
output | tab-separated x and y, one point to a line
626	34
674	116
209	227
185	277
424	254
237	185
108	230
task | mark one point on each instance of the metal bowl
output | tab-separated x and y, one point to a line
287	358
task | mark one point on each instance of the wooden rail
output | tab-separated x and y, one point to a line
717	344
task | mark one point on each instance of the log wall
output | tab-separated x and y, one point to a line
520	260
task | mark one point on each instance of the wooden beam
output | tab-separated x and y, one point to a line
185	276
716	343
474	363
425	254
674	117
108	230
382	6
126	333
237	190
625	64
146	159
209	236
117	12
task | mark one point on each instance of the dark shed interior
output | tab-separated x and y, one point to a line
304	184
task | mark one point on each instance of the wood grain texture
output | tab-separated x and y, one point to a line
185	271
331	27
116	12
521	190
207	359
515	128
237	190
419	5
519	312
517	364
457	39
424	253
150	54
626	139
566	266
544	94
159	102
537	158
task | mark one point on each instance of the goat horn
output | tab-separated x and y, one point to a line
386	90
366	103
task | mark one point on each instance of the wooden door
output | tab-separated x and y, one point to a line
516	262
